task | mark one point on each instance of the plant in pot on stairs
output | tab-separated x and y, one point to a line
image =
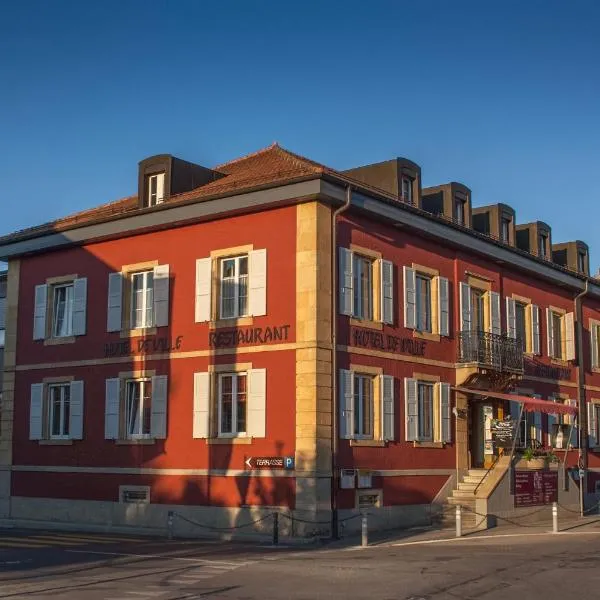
539	458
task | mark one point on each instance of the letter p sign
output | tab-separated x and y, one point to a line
289	462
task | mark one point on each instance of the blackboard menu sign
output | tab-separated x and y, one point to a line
503	432
535	488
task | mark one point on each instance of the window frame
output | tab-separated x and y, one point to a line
505	222
526	328
132	310
407	184
65	411
68	317
360	260
143	381
155	177
459	210
425	302
358	407
478	298
557	338
234	433
237	314
421	385
581	261
543	245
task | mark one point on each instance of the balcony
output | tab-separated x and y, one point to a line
487	350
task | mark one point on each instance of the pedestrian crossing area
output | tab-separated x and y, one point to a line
10	541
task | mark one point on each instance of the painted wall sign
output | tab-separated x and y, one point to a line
538	369
142	346
535	488
389	343
270	462
229	338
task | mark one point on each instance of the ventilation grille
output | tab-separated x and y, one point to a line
134	494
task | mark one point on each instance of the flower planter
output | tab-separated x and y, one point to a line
537	463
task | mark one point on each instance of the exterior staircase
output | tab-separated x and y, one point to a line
465	496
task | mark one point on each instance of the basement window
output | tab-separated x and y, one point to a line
134	494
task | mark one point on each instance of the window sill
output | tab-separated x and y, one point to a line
228	323
429	445
368	324
230	440
130	333
59	341
559	362
135	442
368	443
595	369
55	442
425	335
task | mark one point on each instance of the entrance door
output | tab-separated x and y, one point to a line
477	435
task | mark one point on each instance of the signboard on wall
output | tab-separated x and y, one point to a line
535	488
503	432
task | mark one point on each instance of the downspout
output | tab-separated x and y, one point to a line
581	403
334	378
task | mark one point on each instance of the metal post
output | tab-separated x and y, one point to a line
364	530
458	521
170	525
275	529
554	517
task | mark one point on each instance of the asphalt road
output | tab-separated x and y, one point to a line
44	565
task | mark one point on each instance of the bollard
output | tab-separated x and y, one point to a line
170	525
554	517
458	521
364	530
275	529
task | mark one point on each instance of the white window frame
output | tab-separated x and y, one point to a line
407	189
234	404
235	280
359	259
68	309
158	178
358	406
64	412
142	381
132	311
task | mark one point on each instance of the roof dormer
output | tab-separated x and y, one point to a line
497	221
573	255
452	200
535	238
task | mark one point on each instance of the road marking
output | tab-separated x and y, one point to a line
146	593
184	558
76	538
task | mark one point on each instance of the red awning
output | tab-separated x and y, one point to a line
529	404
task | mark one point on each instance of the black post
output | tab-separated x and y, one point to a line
275	529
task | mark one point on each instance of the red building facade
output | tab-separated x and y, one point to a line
160	348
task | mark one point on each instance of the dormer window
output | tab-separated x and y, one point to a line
543	245
459	209
505	231
407	189
155	189
581	256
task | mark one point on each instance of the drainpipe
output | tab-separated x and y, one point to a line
581	403
334	378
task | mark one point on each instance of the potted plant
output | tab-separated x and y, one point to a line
538	458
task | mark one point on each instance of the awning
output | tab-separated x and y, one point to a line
529	404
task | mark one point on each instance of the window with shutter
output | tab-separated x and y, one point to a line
387	407
595	344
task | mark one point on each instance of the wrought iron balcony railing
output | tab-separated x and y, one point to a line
497	352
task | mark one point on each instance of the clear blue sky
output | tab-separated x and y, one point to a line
502	96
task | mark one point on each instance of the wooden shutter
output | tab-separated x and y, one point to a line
550	334
115	300
536	338
161	295
257	260
386	268
36	411
346	399
76	410
203	290
411	409
158	415
466	309
201	422
346	282
495	322
443	306
592	425
112	409
257	403
594	345
569	336
79	306
386	386
410	298
39	312
444	412
511	318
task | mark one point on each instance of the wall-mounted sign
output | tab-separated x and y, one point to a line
535	488
376	340
503	432
538	369
365	479
142	346
270	462
347	479
229	338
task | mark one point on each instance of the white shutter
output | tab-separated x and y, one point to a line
257	260
203	289
466	309
386	268
112	409
161	295
592	425
443	306
76	410
79	306
594	345
550	334
495	323
346	282
569	336
387	406
201	427
444	412
410	298
411	409
115	300
158	415
39	312
536	344
257	403
160	188
511	318
346	399
36	408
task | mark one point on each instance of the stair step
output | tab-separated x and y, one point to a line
463	494
477	472
472	479
467	486
467	501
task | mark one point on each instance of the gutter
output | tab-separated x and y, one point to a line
334	379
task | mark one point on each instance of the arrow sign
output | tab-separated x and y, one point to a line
270	462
